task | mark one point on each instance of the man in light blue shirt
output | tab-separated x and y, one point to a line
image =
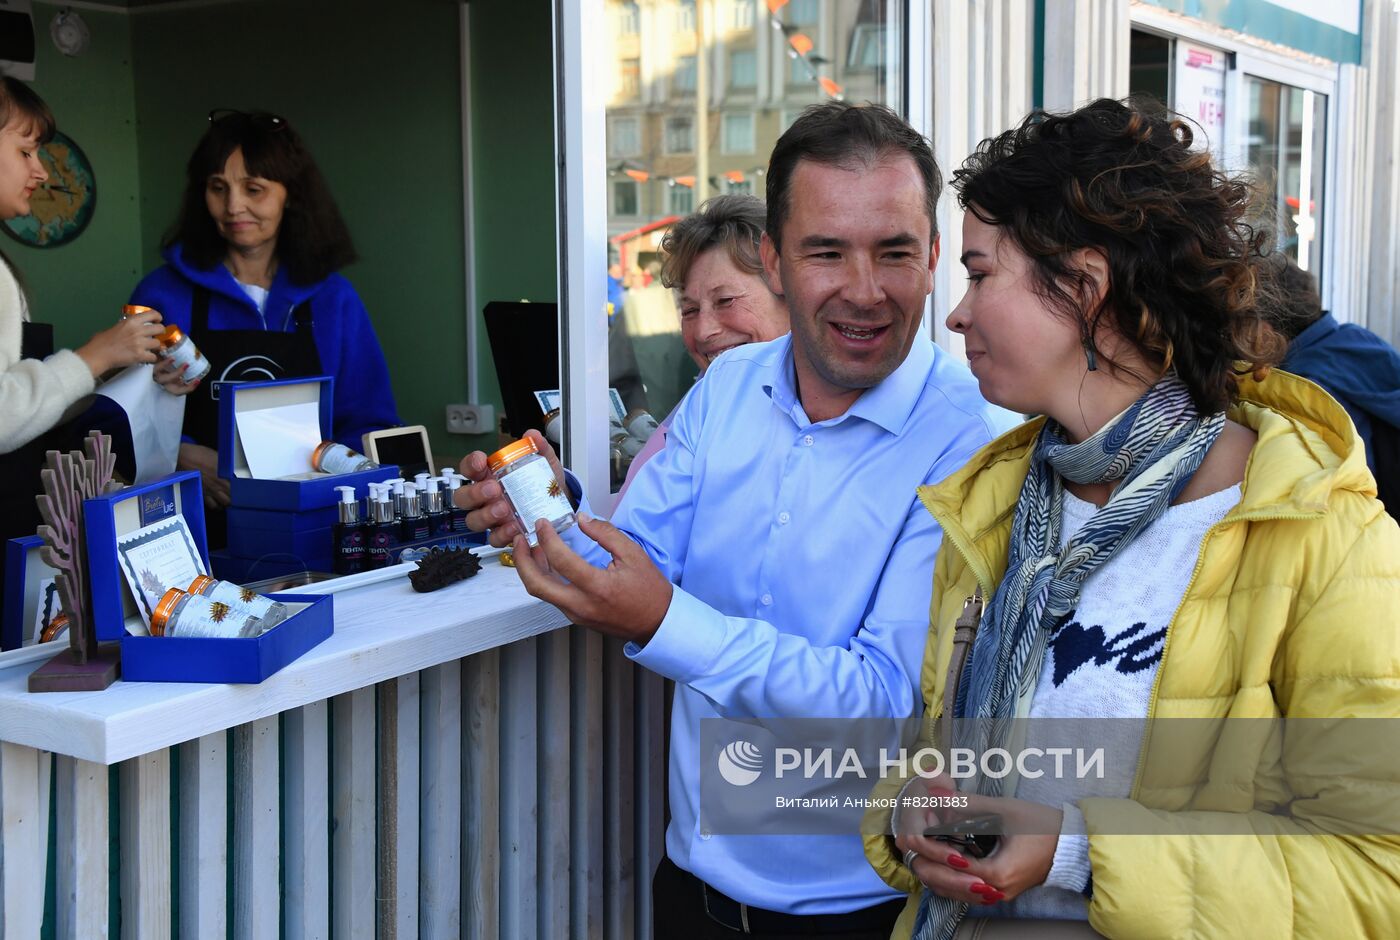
772	559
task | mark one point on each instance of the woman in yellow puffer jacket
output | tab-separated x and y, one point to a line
1185	559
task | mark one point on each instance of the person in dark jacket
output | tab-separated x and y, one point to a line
251	274
1356	367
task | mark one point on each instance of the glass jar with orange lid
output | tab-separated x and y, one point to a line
179	613
529	483
176	346
267	610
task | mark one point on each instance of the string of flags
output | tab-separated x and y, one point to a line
800	47
642	176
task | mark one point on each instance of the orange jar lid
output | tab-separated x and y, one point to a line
200	582
171	335
56	626
131	310
511	453
160	617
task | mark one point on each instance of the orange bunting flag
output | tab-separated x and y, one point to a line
640	176
775	5
686	181
830	87
734	176
801	43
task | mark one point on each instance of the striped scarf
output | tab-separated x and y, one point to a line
1153	448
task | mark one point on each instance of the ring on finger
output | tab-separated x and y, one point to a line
909	857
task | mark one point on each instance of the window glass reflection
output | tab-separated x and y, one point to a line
670	148
1286	154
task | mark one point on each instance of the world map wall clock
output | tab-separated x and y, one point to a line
62	207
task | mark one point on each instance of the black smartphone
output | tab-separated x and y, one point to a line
977	835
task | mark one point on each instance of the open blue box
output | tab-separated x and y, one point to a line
183	659
307	490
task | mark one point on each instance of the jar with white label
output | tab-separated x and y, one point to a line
181	350
270	612
530	485
330	457
194	615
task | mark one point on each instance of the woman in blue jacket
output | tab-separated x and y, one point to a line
250	274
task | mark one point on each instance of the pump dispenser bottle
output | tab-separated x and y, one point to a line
458	514
348	535
413	526
382	530
435	510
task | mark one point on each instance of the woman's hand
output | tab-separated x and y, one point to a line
1022	860
132	340
171	377
206	461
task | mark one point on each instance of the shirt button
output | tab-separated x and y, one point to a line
783	518
766	600
807	441
705	833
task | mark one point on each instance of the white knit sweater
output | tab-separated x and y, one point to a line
34	394
1099	667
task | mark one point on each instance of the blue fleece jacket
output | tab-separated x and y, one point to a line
345	339
1356	367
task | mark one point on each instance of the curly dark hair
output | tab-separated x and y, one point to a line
313	241
1122	177
734	221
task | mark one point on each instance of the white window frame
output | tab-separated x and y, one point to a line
743	14
1300	71
666	135
734	86
612	197
726	147
671	207
617	151
581	51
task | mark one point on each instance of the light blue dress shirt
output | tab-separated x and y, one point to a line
803	565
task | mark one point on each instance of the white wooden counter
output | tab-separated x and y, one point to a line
453	764
382	631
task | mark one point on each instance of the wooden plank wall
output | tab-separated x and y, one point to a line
516	793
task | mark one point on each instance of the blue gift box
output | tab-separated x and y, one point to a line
255	533
22	568
299	492
183	659
312	547
229	567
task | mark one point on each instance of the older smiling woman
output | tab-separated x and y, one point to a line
712	263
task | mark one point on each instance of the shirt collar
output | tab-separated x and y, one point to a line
888	404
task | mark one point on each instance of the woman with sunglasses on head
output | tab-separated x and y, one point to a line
250	274
1183	534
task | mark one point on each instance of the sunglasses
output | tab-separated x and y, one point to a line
259	119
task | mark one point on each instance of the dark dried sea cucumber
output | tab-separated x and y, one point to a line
443	566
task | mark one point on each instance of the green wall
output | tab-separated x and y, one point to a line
512	90
80	286
374	90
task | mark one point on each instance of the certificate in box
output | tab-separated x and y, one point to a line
267	431
134	530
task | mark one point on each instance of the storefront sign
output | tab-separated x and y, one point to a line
1200	91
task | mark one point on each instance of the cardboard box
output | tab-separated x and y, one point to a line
183	659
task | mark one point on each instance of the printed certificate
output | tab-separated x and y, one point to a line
158	557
